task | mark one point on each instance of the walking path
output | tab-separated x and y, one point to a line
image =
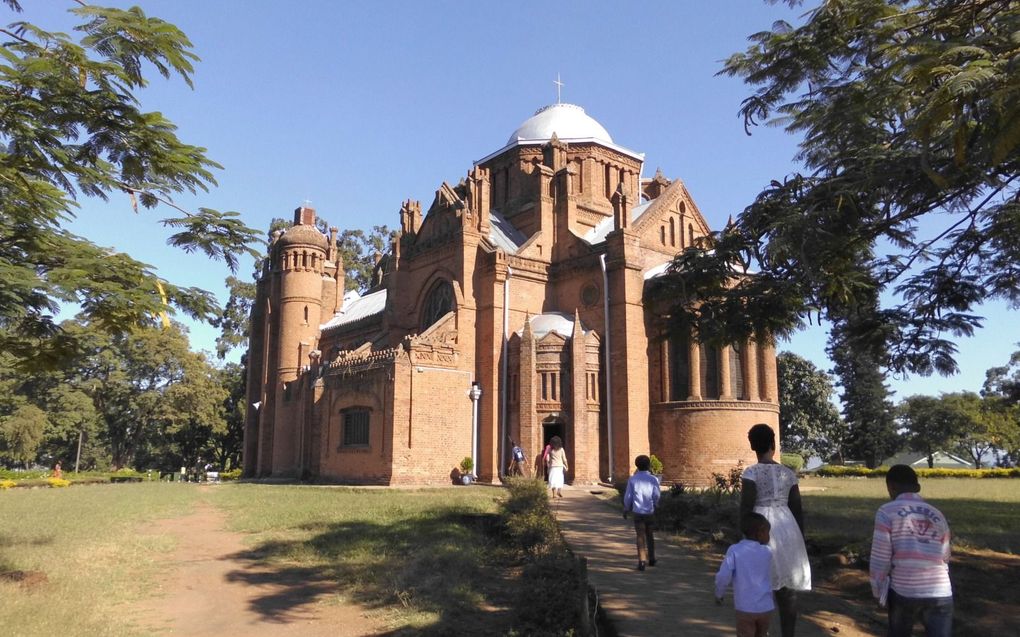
676	596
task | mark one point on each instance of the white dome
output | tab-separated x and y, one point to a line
568	121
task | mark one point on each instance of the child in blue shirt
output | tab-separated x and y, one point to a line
748	565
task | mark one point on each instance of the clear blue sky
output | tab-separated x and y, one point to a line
357	106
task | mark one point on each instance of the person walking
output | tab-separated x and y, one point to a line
910	559
771	489
748	565
641	498
556	462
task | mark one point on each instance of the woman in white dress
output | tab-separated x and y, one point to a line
557	464
771	489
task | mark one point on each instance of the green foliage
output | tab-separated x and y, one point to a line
21	433
72	126
655	465
140	398
360	252
528	523
840	471
713	512
551	600
857	348
794	461
233	474
467	464
909	117
809	423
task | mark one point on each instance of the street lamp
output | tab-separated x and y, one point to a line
474	394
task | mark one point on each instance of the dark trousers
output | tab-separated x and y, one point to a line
935	613
643	527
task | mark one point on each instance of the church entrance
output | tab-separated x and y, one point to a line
553	428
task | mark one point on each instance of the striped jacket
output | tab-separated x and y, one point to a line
910	550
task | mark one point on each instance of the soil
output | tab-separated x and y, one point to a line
26	579
212	587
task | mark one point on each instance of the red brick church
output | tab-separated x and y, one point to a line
513	308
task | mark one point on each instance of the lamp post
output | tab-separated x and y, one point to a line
474	394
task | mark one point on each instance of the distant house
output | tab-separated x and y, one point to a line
919	460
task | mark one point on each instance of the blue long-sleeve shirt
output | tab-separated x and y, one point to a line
642	493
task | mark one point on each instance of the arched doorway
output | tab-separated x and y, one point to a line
554	426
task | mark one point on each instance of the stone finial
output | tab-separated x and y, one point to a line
621	208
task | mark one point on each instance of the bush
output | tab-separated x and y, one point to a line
553	596
794	461
656	465
58	483
528	523
233	474
838	471
7	484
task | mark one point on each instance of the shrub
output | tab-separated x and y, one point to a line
233	474
467	464
857	470
794	461
553	597
7	484
528	523
58	483
656	465
729	484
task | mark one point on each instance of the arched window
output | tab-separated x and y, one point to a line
438	302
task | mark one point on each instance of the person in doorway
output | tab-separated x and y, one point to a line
910	559
556	462
545	461
748	565
641	498
771	489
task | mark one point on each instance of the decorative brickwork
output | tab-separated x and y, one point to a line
528	278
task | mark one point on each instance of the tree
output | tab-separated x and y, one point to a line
360	252
21	433
809	423
1004	382
869	416
71	126
909	112
932	424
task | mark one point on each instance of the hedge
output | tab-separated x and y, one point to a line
835	471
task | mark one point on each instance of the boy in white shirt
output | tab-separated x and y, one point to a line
748	564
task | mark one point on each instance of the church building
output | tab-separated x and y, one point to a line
512	309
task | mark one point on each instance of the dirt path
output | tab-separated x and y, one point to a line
214	586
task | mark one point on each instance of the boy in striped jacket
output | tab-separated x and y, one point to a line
910	559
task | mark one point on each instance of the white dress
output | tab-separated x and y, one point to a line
790	567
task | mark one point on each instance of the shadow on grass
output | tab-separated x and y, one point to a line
439	567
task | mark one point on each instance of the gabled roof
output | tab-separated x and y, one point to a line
357	307
604	227
503	234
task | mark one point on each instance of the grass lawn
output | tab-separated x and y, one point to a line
81	555
982	513
424	558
